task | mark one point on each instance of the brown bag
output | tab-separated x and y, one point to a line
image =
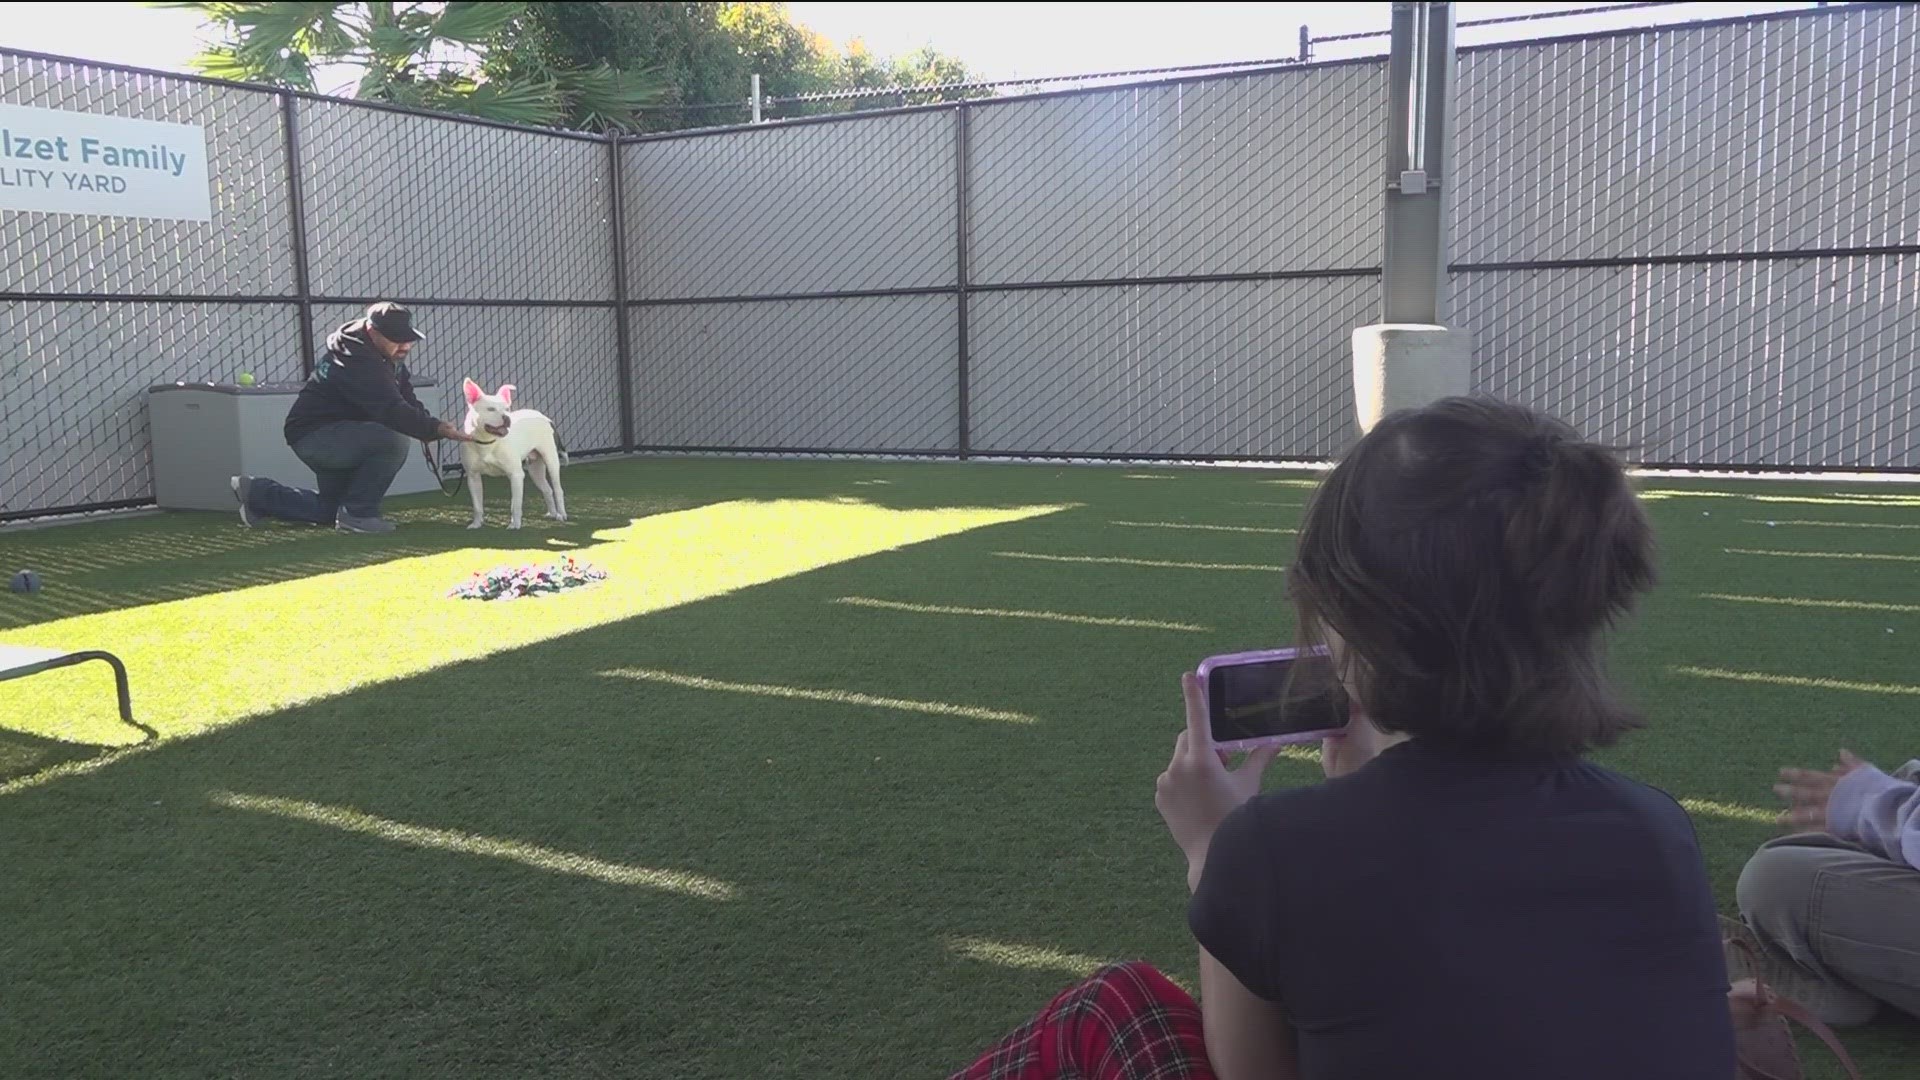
1762	1040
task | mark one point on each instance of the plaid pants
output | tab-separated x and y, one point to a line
1127	1022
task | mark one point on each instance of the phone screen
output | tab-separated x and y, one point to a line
1274	697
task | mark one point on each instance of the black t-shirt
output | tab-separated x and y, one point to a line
1441	914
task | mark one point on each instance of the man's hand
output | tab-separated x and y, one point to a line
448	431
1808	791
1198	791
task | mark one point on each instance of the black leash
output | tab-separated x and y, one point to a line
432	452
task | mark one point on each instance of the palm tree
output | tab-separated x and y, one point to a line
424	55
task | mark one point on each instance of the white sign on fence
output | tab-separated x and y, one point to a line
81	163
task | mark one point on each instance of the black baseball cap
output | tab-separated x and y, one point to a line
394	322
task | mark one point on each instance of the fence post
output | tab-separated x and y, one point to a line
297	216
1306	43
755	93
1419	175
1411	357
961	128
623	345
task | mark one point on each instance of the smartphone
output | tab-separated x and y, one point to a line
1272	698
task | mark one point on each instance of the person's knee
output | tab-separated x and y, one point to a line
1779	880
393	445
383	452
1138	981
1126	971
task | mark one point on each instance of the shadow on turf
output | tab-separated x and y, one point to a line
863	844
859	845
24	755
104	566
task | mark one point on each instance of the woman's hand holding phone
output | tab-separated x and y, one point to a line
1197	791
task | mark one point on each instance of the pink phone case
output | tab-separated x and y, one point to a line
1207	667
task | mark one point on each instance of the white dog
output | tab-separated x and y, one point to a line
512	443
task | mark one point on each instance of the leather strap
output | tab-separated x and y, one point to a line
1793	1010
1766	997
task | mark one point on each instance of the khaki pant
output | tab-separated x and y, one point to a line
1845	919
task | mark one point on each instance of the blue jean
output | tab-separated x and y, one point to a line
353	462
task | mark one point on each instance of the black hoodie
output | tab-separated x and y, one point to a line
352	381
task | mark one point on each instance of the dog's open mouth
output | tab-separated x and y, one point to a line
498	432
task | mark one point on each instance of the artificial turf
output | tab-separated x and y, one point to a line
846	768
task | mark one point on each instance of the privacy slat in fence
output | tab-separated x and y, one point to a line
1215	369
855	373
245	249
1794	363
841	207
74	379
410	206
1779	135
561	360
1244	174
1698	241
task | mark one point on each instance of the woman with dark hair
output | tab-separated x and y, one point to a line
1464	896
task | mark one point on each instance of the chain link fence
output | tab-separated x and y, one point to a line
504	239
1700	243
415	206
501	239
1147	271
75	379
1697	242
1172	271
244	250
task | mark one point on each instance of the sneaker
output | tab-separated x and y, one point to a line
347	523
1841	1006
242	487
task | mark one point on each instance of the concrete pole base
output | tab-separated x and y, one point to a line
1407	365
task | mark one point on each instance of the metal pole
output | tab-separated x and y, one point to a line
622	334
756	99
1306	43
1420	74
297	215
961	272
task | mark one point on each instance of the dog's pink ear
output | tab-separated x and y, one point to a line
473	391
506	392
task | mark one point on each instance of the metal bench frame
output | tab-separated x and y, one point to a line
62	660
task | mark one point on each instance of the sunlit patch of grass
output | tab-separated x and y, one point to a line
1808	602
1804	682
1149	564
1855	556
1181	526
829	697
1027	957
212	660
1729	811
409	876
347	819
1808	524
1891	500
1118	622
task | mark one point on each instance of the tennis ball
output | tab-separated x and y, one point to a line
245	379
26	581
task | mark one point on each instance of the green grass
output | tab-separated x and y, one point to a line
830	779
